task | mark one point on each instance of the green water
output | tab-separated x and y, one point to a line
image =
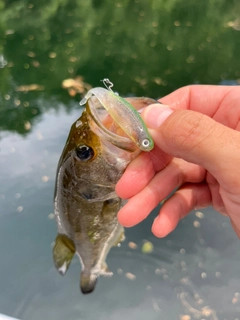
146	48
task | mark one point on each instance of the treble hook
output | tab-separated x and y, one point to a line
108	84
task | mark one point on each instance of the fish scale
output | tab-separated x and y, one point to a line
86	205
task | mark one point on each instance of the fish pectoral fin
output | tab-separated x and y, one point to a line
63	252
120	239
105	270
87	282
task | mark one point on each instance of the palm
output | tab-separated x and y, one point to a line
148	180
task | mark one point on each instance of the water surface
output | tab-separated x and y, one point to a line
145	48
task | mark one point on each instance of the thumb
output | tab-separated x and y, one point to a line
194	137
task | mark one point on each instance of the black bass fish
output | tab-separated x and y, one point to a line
94	158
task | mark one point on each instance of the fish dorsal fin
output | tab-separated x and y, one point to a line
63	253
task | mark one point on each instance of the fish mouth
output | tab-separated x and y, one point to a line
104	126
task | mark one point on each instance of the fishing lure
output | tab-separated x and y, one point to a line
123	113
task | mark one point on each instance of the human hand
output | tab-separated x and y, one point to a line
197	151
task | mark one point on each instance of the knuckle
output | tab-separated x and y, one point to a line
189	130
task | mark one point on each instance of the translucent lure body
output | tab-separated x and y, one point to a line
125	115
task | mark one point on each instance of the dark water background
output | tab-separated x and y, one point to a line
146	48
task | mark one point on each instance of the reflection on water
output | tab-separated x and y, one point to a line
191	274
146	48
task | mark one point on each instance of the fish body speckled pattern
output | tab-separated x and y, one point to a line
94	158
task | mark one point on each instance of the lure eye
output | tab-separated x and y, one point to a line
84	153
145	143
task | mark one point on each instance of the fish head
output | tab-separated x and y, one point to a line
97	149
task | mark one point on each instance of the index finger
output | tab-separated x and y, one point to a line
201	98
140	103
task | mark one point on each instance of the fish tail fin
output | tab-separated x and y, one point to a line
88	282
63	252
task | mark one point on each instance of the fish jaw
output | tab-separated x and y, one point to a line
117	151
98	117
124	114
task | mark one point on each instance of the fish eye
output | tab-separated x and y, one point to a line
84	153
145	143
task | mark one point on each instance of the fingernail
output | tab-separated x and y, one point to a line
155	114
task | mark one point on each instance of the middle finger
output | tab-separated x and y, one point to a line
162	184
